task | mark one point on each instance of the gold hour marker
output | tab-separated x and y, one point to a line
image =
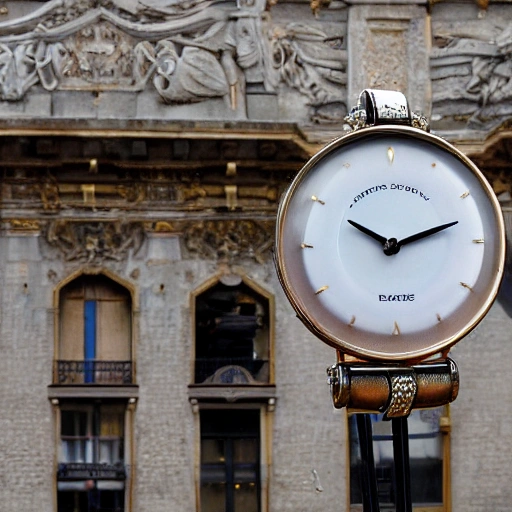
433	164
396	330
391	154
306	246
314	198
438	316
478	241
352	321
321	289
466	194
465	285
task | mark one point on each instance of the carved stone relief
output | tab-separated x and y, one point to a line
315	64
97	242
230	239
94	242
189	51
471	70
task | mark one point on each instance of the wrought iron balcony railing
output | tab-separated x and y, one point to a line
90	470
93	372
207	366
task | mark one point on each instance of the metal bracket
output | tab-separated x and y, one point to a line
392	389
376	107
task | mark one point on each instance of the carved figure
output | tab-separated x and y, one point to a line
226	240
17	70
192	76
100	53
306	63
52	63
476	72
95	242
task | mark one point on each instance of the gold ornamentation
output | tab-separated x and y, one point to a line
24	225
391	154
403	392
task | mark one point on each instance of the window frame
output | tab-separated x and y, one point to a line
254	287
266	418
134	316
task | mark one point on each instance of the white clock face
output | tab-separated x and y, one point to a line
390	245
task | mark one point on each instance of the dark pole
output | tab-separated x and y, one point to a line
402	468
369	483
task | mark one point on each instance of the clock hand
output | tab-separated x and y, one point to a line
392	246
427	232
369	232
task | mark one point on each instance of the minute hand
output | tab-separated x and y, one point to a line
424	234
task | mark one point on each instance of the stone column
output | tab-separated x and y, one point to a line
388	48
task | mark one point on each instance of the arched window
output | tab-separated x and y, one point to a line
233	331
94	345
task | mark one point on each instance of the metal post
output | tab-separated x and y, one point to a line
402	467
369	478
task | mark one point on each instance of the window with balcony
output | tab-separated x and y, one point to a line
94	333
230	460
91	470
429	461
232	327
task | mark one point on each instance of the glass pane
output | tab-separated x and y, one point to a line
246	497
110	501
73	450
72	501
245	450
112	421
73	423
212	451
425	456
230	460
110	451
213	498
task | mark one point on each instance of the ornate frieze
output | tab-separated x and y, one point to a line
471	70
97	242
315	64
229	239
94	242
189	52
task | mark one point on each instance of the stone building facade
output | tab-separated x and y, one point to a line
149	355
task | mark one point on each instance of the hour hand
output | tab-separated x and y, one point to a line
369	232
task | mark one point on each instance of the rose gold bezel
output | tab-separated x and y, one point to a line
431	341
